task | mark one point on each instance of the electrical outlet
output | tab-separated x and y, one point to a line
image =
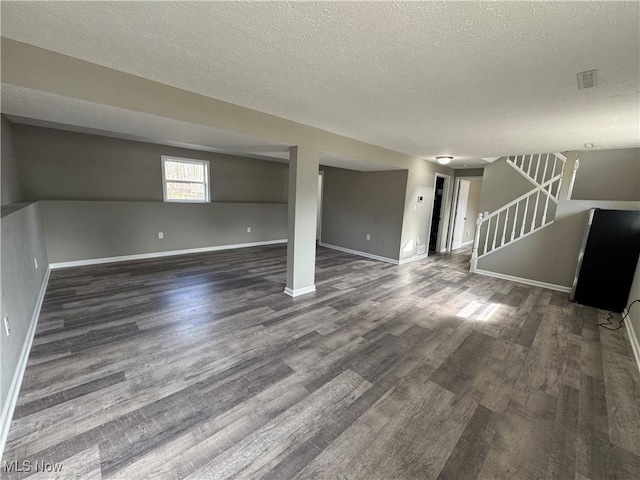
422	249
248	229
7	328
160	235
368	236
415	207
35	263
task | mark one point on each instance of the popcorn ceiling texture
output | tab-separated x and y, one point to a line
470	79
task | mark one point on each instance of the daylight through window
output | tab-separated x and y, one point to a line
185	180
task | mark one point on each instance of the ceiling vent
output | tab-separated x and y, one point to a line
587	79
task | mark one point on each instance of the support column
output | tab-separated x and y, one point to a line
303	212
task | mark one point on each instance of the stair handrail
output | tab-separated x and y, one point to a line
557	154
525	195
546	187
476	243
526	173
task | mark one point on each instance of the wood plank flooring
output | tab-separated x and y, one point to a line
199	366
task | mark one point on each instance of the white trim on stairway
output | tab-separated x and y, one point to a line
511	242
14	388
524	174
168	253
633	338
526	281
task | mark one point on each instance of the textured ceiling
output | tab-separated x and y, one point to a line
469	79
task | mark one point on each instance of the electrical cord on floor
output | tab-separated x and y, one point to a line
611	314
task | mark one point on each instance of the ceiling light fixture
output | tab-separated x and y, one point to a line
444	160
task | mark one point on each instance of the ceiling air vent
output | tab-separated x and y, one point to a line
587	79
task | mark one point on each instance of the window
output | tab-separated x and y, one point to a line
185	180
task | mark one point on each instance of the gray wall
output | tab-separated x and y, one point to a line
22	241
356	203
500	185
32	67
60	165
416	223
80	230
608	175
550	255
10	184
469	172
102	197
634	312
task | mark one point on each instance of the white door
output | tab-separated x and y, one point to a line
461	213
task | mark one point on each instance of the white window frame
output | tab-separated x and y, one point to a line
207	183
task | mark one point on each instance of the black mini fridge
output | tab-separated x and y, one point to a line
608	259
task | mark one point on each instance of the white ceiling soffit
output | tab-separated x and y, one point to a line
44	109
468	79
340	161
34	107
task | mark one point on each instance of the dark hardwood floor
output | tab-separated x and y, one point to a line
199	366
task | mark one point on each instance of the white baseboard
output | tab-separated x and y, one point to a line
526	281
404	261
169	253
14	388
633	338
299	291
362	254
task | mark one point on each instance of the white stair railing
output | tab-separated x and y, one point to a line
526	214
539	168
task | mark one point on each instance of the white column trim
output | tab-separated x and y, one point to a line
299	291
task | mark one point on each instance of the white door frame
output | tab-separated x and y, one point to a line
441	243
454	204
459	214
320	197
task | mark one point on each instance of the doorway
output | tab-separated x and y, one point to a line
460	213
436	214
464	211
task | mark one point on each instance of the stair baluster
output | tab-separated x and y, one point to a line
545	182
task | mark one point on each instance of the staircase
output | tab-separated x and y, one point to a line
528	213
